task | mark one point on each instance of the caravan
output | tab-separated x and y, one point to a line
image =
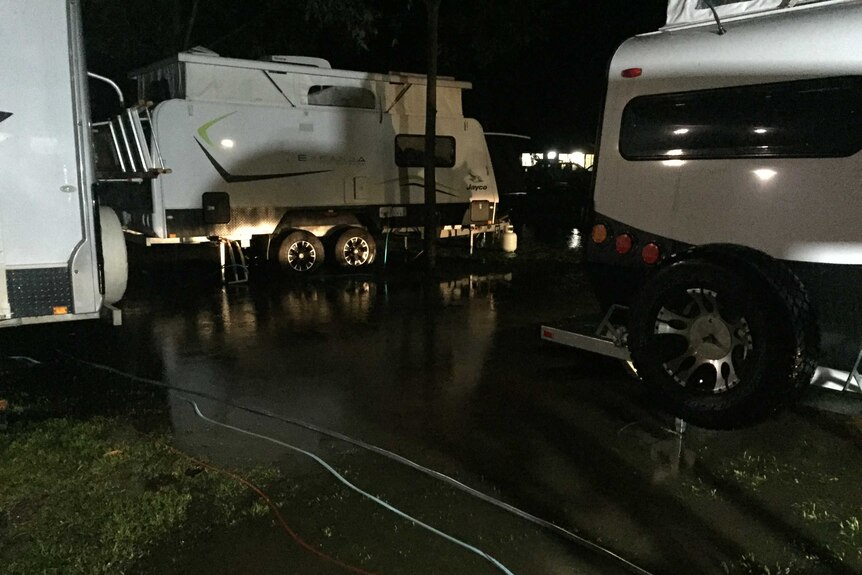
726	206
62	256
287	153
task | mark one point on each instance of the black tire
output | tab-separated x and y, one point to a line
300	252
724	342
354	248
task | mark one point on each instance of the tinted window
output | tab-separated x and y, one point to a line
810	118
702	5
341	96
410	151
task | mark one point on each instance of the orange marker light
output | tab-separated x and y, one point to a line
61	310
624	244
599	234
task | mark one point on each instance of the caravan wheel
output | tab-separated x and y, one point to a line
722	346
354	248
300	252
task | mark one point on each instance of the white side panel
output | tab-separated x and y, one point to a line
39	189
798	210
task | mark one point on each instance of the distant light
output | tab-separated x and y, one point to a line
674	153
575	240
673	163
681	132
552	155
760	131
227	143
765	174
527	160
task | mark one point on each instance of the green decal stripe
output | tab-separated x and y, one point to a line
202	131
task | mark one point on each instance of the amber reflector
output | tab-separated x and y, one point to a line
600	234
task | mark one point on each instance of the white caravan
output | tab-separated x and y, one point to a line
728	192
61	258
286	152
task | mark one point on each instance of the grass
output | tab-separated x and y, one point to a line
97	497
749	565
814	496
89	485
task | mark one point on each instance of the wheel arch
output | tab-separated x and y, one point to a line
753	263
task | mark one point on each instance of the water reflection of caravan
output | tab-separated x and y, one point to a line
728	195
288	152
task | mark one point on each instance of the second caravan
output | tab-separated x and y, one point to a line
726	207
299	159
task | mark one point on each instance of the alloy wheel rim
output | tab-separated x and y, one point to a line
356	251
301	256
717	343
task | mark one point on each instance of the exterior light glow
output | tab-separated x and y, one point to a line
227	144
674	153
552	155
681	132
765	174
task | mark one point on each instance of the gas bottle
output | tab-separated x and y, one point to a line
509	241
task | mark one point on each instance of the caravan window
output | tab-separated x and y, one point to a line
807	118
410	151
341	96
704	5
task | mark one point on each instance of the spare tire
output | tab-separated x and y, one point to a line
115	260
724	342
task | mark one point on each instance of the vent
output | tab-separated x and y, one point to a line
307	61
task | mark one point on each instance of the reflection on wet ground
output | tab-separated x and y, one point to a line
452	374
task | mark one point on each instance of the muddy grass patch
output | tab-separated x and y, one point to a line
805	491
95	496
89	483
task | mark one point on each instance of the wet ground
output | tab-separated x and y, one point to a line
452	374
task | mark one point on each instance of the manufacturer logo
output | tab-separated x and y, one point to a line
475	188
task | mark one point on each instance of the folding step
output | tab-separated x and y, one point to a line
854	382
122	147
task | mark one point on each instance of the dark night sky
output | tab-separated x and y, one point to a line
537	66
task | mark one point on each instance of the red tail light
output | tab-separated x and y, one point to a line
651	254
624	244
633	73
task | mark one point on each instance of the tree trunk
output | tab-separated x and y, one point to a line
431	218
191	25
